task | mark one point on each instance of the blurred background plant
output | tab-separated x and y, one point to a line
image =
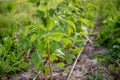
110	37
14	15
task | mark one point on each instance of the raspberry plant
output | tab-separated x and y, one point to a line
60	32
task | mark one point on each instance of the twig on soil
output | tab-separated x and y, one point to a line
68	78
87	40
36	75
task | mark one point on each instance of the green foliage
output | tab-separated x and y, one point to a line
112	30
106	10
6	7
61	64
10	58
58	36
37	60
110	37
5	18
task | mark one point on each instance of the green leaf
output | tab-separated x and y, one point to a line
51	12
55	45
66	70
60	64
40	44
44	54
42	32
84	21
40	13
33	37
59	51
2	49
53	57
47	69
69	30
7	42
66	41
77	50
69	58
36	58
72	24
81	33
51	24
56	36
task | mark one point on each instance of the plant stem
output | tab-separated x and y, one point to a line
48	51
